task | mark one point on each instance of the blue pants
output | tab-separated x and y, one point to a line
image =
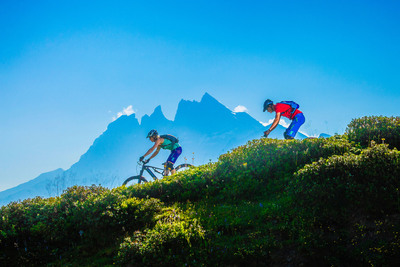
174	155
294	127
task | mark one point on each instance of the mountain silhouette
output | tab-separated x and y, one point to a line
35	187
206	129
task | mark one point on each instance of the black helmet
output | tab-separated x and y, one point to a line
267	103
152	133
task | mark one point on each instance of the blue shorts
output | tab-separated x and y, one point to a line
294	127
174	155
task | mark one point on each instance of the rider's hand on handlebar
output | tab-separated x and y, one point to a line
141	158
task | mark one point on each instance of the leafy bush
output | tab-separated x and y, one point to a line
375	128
243	173
176	240
343	185
38	230
238	234
25	229
334	195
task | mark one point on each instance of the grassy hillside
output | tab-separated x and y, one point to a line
332	201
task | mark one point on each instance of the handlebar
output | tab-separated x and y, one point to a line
144	162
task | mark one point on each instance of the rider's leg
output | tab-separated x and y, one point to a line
294	127
172	159
169	168
166	171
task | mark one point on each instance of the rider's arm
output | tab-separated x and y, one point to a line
155	153
274	124
157	144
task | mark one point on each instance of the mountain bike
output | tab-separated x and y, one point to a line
151	170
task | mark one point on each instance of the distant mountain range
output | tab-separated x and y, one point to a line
206	129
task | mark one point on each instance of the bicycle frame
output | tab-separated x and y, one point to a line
149	171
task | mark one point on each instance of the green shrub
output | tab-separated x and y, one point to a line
334	195
365	183
375	128
40	230
27	227
243	173
135	213
174	241
249	169
238	234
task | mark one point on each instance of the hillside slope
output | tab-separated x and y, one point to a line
270	202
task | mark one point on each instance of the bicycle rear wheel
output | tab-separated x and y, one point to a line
183	167
134	180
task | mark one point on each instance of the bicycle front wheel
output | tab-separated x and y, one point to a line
184	166
134	180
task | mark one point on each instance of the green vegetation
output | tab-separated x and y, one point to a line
332	201
375	128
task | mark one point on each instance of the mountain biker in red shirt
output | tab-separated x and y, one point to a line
285	110
164	143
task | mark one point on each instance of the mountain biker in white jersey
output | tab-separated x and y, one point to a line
163	143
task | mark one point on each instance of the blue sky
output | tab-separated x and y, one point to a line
67	68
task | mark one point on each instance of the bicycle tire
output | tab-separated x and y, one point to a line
137	178
183	166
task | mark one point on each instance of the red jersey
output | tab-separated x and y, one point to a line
286	110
